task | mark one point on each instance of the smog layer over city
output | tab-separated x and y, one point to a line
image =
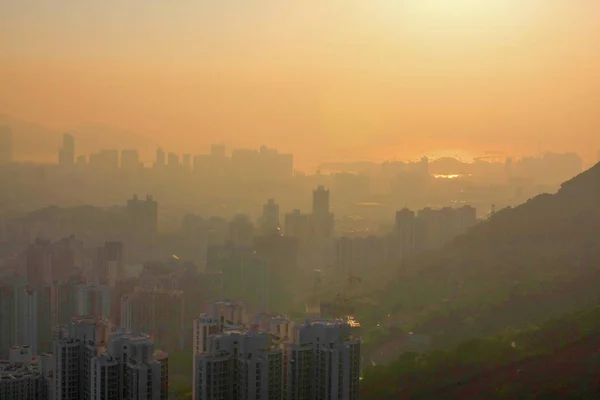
299	200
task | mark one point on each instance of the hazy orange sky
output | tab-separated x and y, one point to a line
328	80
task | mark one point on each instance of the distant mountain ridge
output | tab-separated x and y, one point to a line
39	143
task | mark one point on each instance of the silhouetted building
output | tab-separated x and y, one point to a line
298	225
243	273
39	263
173	160
187	162
6	145
142	216
130	160
241	231
109	263
161	158
276	165
424	166
66	155
351	187
269	224
104	161
435	228
279	252
217	151
158	311
360	254
404	232
322	218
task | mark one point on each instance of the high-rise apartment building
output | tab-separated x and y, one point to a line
108	264
241	231
298	225
269	224
239	364
74	348
322	361
6	145
142	216
93	300
161	158
218	316
90	364
66	155
29	313
322	218
435	228
23	376
18	310
358	254
104	161
158	311
140	374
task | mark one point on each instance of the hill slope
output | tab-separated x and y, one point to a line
559	358
525	264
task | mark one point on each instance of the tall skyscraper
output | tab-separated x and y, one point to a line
322	218
320	201
269	224
66	155
322	361
6	145
160	158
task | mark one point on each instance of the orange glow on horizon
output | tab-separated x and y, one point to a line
338	80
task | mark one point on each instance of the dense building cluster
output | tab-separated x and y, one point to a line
273	357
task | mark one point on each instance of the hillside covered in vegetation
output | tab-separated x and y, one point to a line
524	265
557	359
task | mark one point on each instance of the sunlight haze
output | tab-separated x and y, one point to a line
327	80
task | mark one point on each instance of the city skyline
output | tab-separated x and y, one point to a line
321	80
148	156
